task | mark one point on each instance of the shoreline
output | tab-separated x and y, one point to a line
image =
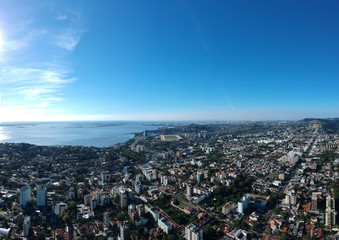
86	134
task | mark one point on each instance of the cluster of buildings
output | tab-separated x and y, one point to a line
174	188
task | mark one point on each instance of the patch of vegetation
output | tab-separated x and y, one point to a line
327	156
272	176
181	205
234	193
170	137
175	214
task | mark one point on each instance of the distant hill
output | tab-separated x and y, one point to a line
330	125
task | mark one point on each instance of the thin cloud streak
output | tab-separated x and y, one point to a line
61	17
69	39
39	86
33	76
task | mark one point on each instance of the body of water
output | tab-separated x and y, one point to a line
97	134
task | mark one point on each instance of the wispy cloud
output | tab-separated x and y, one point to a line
199	31
31	93
227	99
61	17
34	33
32	83
69	38
197	26
33	72
33	75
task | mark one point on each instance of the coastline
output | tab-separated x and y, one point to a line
86	134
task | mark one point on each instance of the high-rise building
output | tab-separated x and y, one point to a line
314	203
27	226
164	225
200	176
60	208
192	232
80	193
123	200
68	233
107	220
25	196
93	203
124	232
330	202
141	210
189	190
164	180
138	188
228	207
87	199
139	178
103	199
287	199
103	177
72	193
131	209
40	196
291	198
331	214
330	217
244	203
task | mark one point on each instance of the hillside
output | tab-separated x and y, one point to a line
330	125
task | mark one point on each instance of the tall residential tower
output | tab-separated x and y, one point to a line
25	196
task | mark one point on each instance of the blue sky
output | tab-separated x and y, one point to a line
168	60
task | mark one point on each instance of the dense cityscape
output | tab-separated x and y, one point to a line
169	120
222	180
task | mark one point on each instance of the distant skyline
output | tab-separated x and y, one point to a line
168	60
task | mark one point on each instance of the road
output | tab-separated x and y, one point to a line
270	213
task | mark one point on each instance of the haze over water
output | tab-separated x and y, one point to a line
97	134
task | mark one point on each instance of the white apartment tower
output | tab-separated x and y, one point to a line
124	232
192	232
107	220
291	198
40	196
27	226
244	203
103	176
60	208
25	196
331	214
189	190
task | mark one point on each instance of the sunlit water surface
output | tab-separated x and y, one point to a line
98	134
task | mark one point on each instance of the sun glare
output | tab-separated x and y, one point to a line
2	42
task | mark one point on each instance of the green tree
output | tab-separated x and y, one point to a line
41	235
209	232
284	236
60	221
20	221
122	216
68	220
72	210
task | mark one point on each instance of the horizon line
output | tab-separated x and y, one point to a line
197	120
